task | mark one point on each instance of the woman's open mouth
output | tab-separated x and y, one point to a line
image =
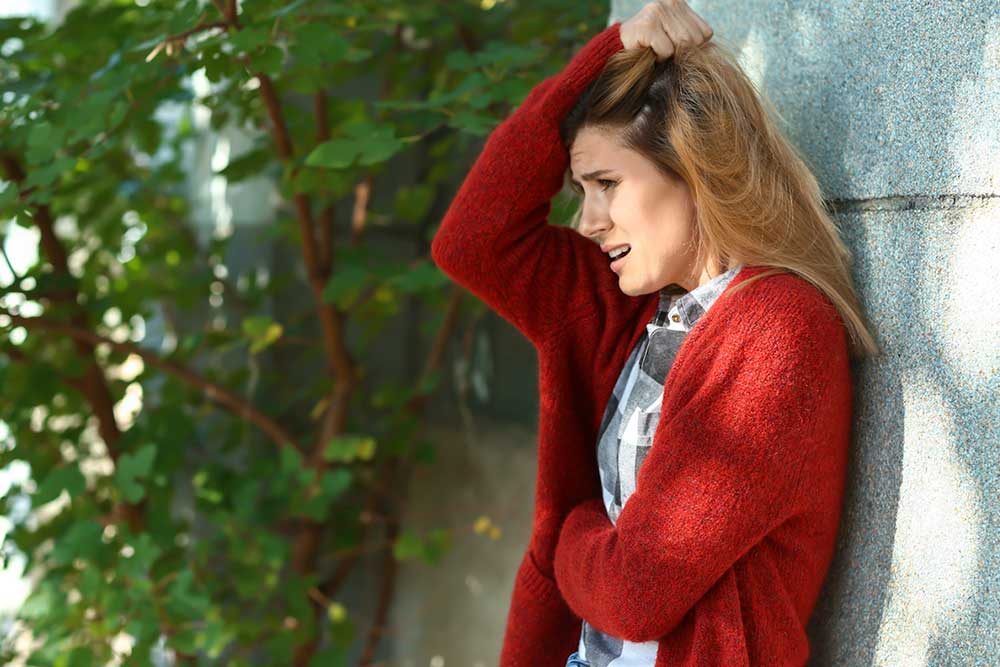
616	263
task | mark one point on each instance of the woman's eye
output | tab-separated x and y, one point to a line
604	183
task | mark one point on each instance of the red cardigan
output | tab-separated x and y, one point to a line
722	549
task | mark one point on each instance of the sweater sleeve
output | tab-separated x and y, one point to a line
724	470
494	239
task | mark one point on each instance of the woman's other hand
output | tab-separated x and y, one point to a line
667	26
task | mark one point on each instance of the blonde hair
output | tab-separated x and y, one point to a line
698	117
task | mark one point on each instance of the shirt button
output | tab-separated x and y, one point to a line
675	318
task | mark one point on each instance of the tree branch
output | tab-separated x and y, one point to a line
211	390
3	249
326	213
92	385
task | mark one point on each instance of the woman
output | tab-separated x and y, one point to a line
695	325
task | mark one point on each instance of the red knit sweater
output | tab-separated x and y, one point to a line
721	550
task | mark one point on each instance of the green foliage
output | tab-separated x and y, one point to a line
184	513
262	332
363	143
430	549
131	470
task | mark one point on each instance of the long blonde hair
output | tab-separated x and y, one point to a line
698	117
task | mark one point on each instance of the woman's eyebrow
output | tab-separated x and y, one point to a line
588	176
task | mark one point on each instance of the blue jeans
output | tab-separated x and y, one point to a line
574	660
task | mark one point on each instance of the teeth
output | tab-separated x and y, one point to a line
618	252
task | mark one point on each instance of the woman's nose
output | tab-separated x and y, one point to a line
593	224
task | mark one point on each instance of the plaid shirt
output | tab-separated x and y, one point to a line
626	434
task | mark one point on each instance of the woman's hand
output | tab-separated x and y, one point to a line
667	26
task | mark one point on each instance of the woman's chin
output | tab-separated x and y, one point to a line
627	288
630	289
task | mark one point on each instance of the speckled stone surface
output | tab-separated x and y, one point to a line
915	580
884	98
897	108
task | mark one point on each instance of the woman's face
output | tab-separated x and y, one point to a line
627	200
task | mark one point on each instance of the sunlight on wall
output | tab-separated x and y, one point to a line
974	343
934	555
752	56
973	337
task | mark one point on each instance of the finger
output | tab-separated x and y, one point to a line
706	29
684	16
662	45
673	22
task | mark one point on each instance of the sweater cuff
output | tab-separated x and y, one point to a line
541	629
542	588
588	517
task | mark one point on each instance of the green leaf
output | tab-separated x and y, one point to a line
41	601
332	485
214	637
217	64
407	546
424	276
269	60
8	196
132	469
335	482
478	125
185	600
413	202
91	583
247	165
81	540
334	154
291	460
145	554
346	448
309	181
43	141
90	116
66	477
45	176
378	143
249	38
262	332
317	44
345	284
365	142
436	546
80	657
184	15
